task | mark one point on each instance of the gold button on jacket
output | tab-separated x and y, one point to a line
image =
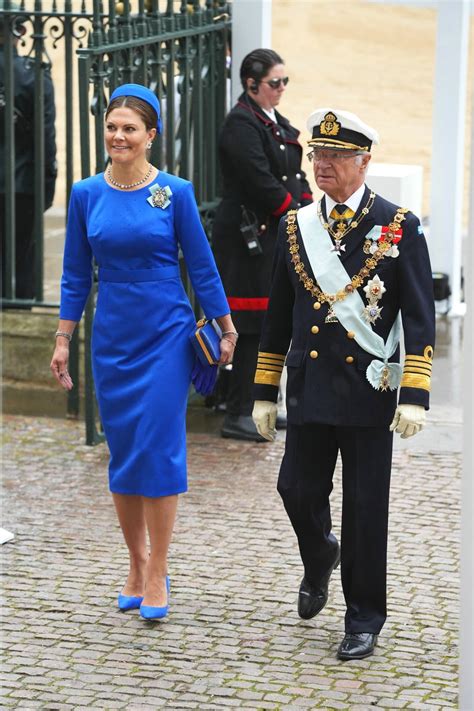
350	334
349	359
314	329
316	305
314	354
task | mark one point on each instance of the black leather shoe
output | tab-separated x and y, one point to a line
280	422
311	598
241	427
357	645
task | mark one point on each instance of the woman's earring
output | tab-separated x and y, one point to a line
149	145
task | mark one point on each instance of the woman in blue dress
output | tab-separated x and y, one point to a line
133	219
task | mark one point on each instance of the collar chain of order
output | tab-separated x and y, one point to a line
358	279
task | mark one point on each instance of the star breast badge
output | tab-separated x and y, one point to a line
374	291
160	197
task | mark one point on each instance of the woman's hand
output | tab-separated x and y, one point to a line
227	346
59	364
228	340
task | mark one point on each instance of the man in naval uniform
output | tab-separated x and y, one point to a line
347	273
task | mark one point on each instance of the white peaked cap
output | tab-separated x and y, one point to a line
340	129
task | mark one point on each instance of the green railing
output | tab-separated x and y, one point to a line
43	32
182	56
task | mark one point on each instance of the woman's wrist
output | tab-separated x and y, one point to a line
226	338
63	338
63	335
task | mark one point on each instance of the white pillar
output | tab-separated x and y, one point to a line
449	117
251	29
466	667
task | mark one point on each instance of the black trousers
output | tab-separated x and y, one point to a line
305	483
240	395
24	245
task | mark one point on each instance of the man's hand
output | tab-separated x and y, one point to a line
408	420
264	415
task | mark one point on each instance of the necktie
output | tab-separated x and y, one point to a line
341	216
341	212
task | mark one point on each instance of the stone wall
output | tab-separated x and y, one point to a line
28	387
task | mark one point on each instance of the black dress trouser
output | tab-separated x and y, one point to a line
24	245
305	483
240	394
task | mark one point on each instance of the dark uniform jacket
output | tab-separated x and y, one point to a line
24	110
326	367
261	168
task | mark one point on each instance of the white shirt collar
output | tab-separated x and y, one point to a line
352	202
271	114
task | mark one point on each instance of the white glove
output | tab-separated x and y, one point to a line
264	415
408	420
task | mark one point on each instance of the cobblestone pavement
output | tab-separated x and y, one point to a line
233	638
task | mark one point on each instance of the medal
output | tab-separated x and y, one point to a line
371	313
338	247
331	316
160	197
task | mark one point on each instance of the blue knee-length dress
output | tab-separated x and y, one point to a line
141	353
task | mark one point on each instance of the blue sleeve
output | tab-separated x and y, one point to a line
77	264
198	256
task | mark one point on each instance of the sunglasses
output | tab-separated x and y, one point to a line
276	83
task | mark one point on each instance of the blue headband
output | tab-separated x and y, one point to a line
140	92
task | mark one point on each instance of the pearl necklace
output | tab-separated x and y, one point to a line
127	186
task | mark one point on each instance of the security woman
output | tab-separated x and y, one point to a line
260	160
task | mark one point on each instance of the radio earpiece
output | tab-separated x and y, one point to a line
253	87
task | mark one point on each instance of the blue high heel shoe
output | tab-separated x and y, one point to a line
129	602
148	612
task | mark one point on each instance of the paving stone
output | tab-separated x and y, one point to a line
233	638
82	701
23	694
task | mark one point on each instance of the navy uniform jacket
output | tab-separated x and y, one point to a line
260	162
326	367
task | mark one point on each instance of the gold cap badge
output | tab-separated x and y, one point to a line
330	126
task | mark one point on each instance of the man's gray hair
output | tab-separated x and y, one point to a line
359	155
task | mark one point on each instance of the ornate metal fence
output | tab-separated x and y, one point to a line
40	35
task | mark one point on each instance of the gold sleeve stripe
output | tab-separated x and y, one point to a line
418	363
421	359
410	380
418	369
267	377
411	364
269	361
273	356
274	368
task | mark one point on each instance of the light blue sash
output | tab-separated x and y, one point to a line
331	277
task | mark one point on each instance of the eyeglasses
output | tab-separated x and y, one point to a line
276	83
318	155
